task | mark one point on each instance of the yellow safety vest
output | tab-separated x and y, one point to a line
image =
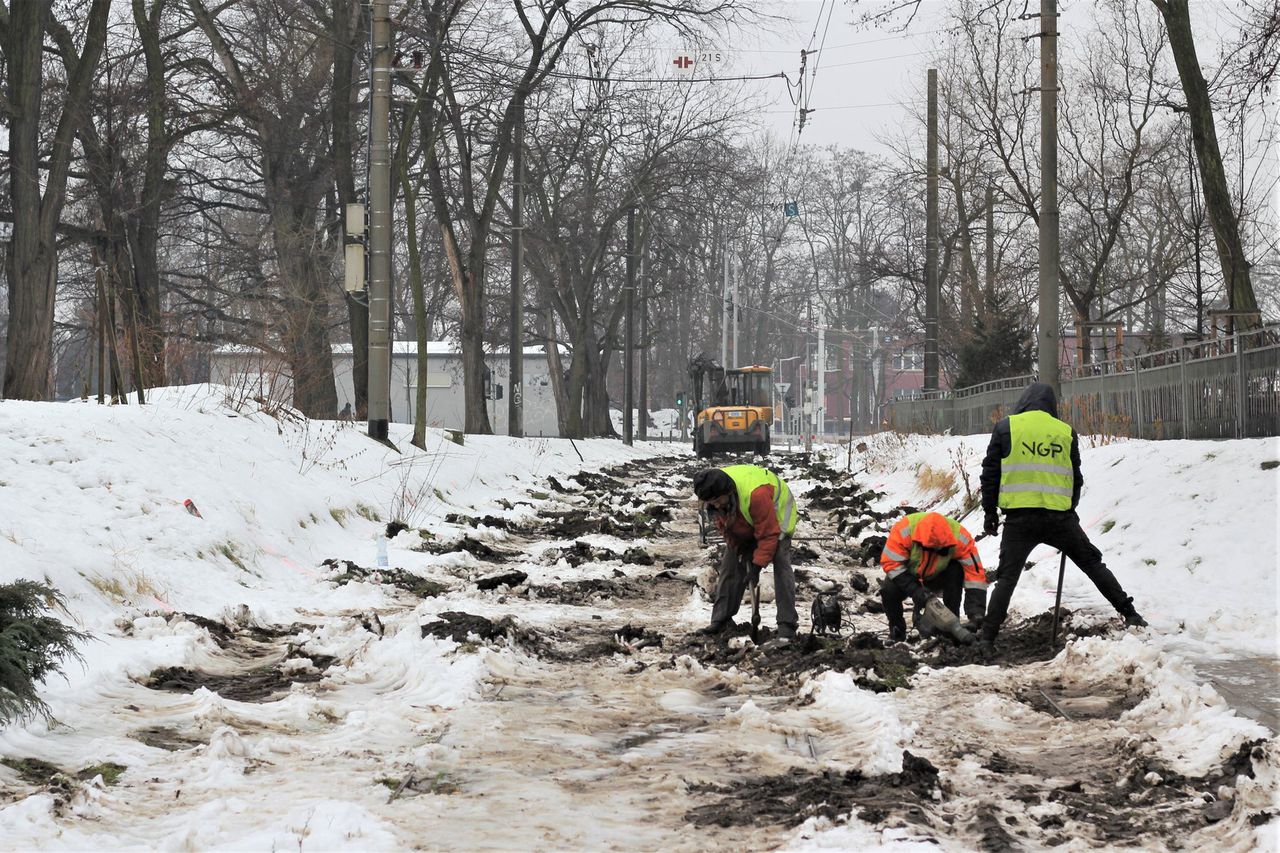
748	478
1037	473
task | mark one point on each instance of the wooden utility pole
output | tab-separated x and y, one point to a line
1048	342
932	294
515	400
628	350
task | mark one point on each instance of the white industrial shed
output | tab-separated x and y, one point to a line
249	369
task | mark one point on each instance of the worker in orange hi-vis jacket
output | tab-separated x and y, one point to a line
928	554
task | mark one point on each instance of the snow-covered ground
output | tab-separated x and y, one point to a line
91	499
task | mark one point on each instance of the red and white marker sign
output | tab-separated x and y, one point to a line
683	63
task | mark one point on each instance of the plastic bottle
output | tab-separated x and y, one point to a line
382	551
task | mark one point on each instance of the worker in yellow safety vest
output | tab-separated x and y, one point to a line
754	510
1032	472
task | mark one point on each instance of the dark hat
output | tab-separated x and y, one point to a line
711	483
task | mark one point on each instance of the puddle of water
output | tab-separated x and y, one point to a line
1251	686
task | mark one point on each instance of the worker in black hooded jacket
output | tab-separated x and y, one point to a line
1032	472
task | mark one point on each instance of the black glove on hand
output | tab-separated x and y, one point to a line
920	595
990	523
975	606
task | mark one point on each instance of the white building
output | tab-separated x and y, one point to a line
265	376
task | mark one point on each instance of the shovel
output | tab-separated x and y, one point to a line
754	580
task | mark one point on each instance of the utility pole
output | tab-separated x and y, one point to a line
989	306
644	339
1048	342
380	224
820	406
724	322
931	293
628	351
515	401
737	357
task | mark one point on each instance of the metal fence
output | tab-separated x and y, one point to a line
1223	388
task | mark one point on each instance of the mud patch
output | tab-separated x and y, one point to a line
792	798
411	583
260	684
33	771
480	550
583	552
225	636
466	628
628	639
1117	796
1021	642
591	591
507	579
494	521
169	739
789	664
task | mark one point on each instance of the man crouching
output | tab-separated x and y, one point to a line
754	510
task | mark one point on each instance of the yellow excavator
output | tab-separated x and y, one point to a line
734	408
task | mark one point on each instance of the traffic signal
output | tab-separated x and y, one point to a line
680	399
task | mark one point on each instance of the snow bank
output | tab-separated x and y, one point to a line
1189	527
91	500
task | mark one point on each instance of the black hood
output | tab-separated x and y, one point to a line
1038	397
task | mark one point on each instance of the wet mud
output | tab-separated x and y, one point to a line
792	798
407	581
469	628
259	684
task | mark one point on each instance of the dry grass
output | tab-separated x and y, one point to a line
937	484
124	585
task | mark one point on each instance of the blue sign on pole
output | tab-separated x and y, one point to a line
791	208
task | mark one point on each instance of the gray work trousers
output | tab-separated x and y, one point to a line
735	575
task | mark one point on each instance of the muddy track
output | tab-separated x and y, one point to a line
603	722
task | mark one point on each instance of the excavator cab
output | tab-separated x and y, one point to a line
733	408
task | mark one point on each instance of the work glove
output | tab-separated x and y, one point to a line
975	607
920	596
990	523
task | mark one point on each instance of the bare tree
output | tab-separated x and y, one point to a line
32	259
1217	193
281	89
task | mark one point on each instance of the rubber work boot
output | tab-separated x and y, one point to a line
786	631
897	634
1133	620
1131	617
713	629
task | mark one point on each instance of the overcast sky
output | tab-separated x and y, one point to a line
865	74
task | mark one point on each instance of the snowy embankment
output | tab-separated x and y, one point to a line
92	501
1190	529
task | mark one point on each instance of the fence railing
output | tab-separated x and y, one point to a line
1221	388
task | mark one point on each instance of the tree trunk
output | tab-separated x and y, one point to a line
547	321
348	27
1217	195
32	257
306	309
476	408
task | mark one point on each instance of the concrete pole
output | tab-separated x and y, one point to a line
380	224
820	405
736	278
628	349
724	323
989	302
515	400
932	295
643	411
1048	341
